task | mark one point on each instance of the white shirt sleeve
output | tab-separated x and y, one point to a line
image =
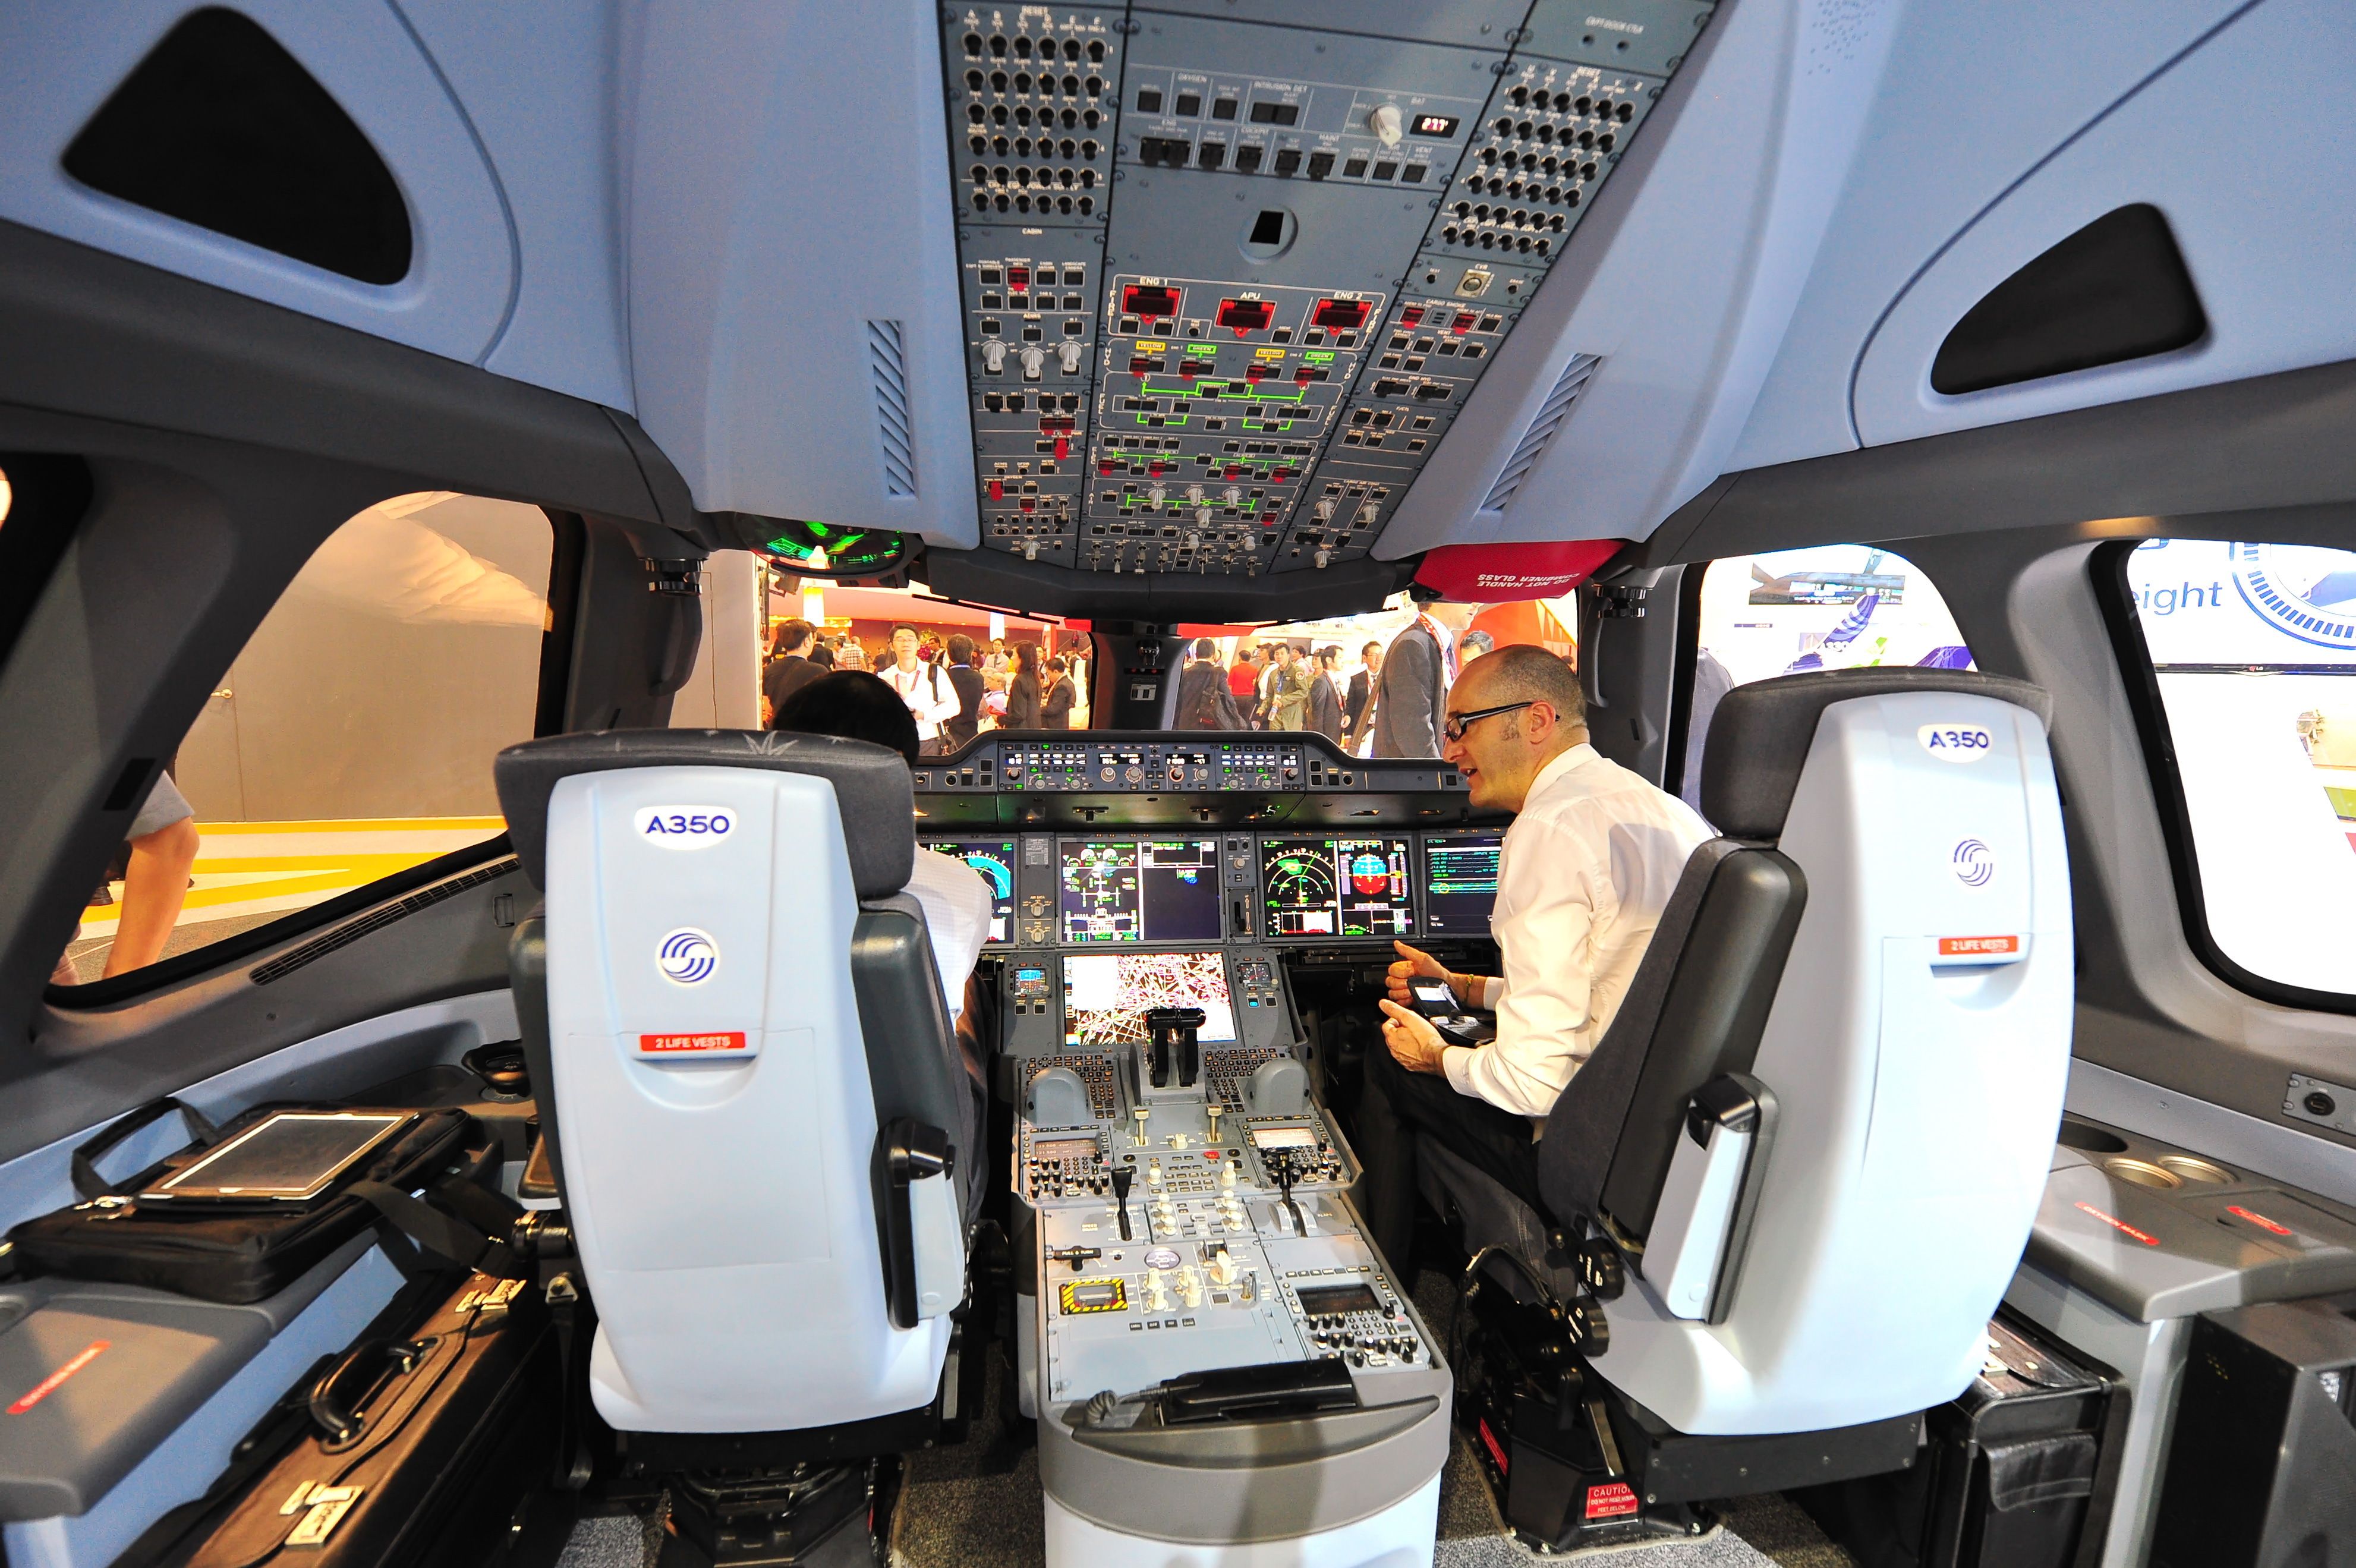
1545	913
957	904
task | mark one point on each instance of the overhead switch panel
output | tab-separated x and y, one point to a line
1274	260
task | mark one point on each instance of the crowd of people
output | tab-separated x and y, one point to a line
1387	704
956	686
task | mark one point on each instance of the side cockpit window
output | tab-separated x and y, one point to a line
350	741
1835	607
2241	658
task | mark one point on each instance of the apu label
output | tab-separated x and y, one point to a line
1956	742
683	827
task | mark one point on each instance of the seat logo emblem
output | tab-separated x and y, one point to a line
1974	863
682	827
1956	742
687	956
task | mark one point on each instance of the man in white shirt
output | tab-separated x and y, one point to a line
1590	862
930	695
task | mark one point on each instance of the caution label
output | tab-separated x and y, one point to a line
683	1044
56	1381
1977	947
1611	1500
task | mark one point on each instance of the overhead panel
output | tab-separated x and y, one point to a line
1227	280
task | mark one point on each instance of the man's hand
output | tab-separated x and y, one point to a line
1416	964
1414	1043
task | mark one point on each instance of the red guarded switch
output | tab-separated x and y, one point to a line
1063	448
998	489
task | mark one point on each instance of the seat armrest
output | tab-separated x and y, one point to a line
920	1221
1701	1224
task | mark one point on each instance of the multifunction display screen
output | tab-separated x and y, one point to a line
1459	882
994	861
1138	890
1336	887
1107	995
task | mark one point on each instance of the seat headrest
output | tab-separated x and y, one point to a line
872	787
1761	733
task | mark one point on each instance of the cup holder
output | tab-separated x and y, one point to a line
2142	1173
2197	1171
2094	1139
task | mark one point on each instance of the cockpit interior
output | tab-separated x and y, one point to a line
1208	783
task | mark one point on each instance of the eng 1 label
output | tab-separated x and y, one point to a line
683	827
1956	742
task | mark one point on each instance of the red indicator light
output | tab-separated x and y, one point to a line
1235	471
1105	465
1157	468
1187	369
1341	314
1030	505
1256	373
1278	476
1140	366
2121	1226
1301	377
1147	299
1246	315
1018	278
1461	325
2260	1220
1412	315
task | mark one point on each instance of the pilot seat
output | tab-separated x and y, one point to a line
1781	1200
757	1118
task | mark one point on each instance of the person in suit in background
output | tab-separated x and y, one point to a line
1362	690
1024	692
1324	696
789	668
1055	706
1417	669
967	680
1204	700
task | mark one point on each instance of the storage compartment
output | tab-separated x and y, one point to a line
2019	1471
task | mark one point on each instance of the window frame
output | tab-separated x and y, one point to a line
562	594
2139	679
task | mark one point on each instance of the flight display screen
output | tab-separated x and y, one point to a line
1138	890
993	860
1107	995
1336	887
1459	882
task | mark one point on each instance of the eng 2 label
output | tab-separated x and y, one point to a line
683	827
1956	742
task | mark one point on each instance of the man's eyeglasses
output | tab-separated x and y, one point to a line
1455	725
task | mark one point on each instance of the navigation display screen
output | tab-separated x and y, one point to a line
1108	995
1138	890
1336	887
1459	882
994	860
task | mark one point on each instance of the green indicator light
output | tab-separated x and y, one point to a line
1318	356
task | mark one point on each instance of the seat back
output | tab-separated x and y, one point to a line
748	1055
1903	1079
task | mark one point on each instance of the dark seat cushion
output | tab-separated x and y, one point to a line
1760	734
871	787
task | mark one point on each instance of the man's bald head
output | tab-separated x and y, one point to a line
1524	674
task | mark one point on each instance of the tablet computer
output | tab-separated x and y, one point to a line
290	1156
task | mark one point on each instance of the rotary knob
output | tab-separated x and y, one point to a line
993	356
1368	513
1231	495
1195	494
1386	123
1035	360
1325	510
1158	494
1068	353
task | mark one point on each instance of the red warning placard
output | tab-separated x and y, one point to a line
2119	1225
56	1379
1611	1500
687	1045
1977	947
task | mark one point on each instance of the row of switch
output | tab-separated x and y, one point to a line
1172	152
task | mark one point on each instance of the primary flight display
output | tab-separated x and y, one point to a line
1337	887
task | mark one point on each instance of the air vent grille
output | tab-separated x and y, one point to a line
1551	415
376	919
887	363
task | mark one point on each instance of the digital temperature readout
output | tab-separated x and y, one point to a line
1435	124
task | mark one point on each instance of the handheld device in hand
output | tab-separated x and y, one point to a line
1437	1002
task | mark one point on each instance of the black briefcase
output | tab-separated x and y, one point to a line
216	1253
414	1448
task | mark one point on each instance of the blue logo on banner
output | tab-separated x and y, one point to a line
2302	592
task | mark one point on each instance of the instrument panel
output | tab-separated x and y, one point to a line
1078	891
